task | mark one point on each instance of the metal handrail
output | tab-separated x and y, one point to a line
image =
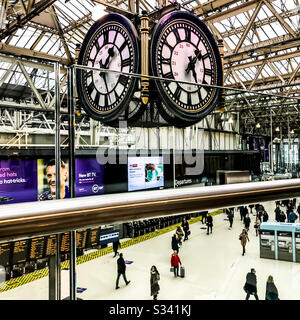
22	220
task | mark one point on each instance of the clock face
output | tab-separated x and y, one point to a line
183	49
110	44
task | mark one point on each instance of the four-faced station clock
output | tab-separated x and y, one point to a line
183	49
110	44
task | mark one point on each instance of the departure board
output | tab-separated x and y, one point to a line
37	246
19	252
81	237
4	254
65	242
51	245
93	237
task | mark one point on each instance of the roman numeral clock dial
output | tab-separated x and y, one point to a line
183	49
110	44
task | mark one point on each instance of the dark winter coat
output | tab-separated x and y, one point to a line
154	283
271	291
247	222
116	245
282	217
209	221
174	243
121	265
265	217
250	284
185	226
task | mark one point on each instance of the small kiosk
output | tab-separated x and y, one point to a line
280	241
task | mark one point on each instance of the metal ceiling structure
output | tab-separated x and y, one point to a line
261	52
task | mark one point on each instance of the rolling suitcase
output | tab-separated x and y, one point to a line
182	272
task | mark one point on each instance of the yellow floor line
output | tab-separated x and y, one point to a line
19	281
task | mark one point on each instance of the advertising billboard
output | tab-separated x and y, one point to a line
18	181
89	177
145	173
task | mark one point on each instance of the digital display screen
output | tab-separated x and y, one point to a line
19	253
145	173
81	237
37	246
51	245
4	254
65	242
93	237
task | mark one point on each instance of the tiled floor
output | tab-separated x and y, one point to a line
215	269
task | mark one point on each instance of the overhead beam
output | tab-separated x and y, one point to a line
8	49
212	5
18	23
248	27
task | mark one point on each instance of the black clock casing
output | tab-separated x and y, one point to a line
182	48
111	43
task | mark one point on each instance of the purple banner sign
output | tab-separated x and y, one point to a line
18	181
89	177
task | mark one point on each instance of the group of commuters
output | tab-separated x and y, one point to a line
250	287
182	232
290	215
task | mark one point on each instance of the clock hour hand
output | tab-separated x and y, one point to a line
104	78
193	61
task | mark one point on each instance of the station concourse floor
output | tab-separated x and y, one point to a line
215	269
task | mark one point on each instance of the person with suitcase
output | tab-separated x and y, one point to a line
175	261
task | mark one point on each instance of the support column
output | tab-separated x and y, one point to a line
71	111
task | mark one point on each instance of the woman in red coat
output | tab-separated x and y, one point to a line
175	260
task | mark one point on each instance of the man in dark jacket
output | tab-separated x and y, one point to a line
116	245
230	217
277	213
121	271
293	217
250	285
174	243
209	223
186	228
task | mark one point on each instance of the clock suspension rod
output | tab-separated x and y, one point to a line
145	57
137	75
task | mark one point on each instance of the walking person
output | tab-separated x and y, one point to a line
175	261
209	223
282	216
265	216
247	222
257	226
277	213
175	246
250	285
116	245
243	238
179	234
293	217
271	290
186	228
121	270
241	208
230	218
154	278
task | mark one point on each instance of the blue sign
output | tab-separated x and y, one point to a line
109	236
